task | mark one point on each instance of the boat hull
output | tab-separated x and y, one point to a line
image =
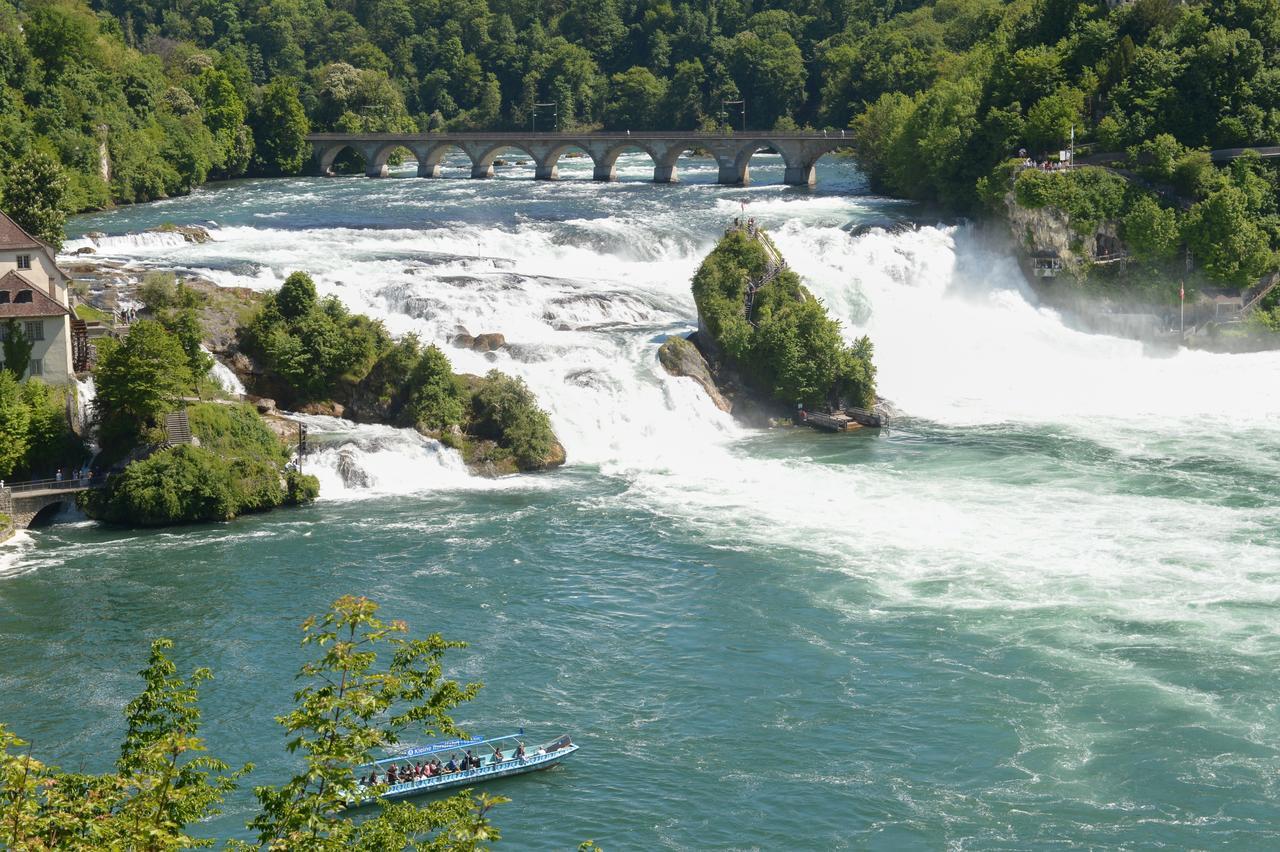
471	777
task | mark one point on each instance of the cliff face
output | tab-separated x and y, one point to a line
1047	231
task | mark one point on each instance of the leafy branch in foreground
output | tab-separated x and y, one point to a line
349	707
164	782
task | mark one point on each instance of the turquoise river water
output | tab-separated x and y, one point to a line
1039	611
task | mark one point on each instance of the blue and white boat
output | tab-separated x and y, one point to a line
516	759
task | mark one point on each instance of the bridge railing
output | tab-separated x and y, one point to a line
68	484
745	135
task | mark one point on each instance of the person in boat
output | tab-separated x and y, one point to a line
497	754
469	761
519	750
452	765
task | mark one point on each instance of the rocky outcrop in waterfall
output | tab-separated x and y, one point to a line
764	344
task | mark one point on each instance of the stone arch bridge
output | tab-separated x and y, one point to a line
800	151
26	501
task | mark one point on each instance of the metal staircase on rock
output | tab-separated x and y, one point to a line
773	267
177	427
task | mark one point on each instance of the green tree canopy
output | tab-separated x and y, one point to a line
35	196
138	380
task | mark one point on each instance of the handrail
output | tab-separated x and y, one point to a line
1262	294
50	484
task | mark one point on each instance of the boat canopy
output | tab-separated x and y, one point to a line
446	745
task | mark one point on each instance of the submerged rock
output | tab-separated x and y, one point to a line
679	357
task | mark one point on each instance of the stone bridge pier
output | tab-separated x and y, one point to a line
733	152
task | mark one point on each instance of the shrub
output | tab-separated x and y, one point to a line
179	485
237	469
505	411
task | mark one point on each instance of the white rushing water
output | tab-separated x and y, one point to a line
584	304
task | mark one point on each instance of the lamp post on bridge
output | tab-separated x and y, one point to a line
742	103
533	118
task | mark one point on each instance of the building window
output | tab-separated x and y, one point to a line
22	297
24	261
36	368
34	330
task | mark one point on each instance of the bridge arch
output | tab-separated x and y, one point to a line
549	161
328	156
376	163
482	162
742	161
431	157
664	170
50	510
607	160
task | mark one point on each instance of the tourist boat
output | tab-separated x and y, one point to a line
542	757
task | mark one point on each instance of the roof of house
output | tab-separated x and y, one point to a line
13	237
39	304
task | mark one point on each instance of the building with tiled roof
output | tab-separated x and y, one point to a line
34	301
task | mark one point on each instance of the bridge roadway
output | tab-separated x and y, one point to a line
800	151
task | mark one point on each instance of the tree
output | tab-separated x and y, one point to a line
16	349
297	296
349	706
164	784
1226	240
13	425
1150	230
636	96
503	409
35	196
161	785
280	128
138	380
1050	120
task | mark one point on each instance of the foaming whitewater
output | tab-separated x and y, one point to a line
585	299
960	340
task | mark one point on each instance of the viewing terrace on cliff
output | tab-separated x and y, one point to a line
800	151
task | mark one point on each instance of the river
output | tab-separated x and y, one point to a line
1040	610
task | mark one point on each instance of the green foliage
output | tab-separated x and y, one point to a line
1151	231
14	422
35	196
51	442
1087	195
316	351
236	470
279	127
15	349
138	380
635	101
297	296
794	352
435	396
35	438
349	705
504	410
1227	241
312	348
164	784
